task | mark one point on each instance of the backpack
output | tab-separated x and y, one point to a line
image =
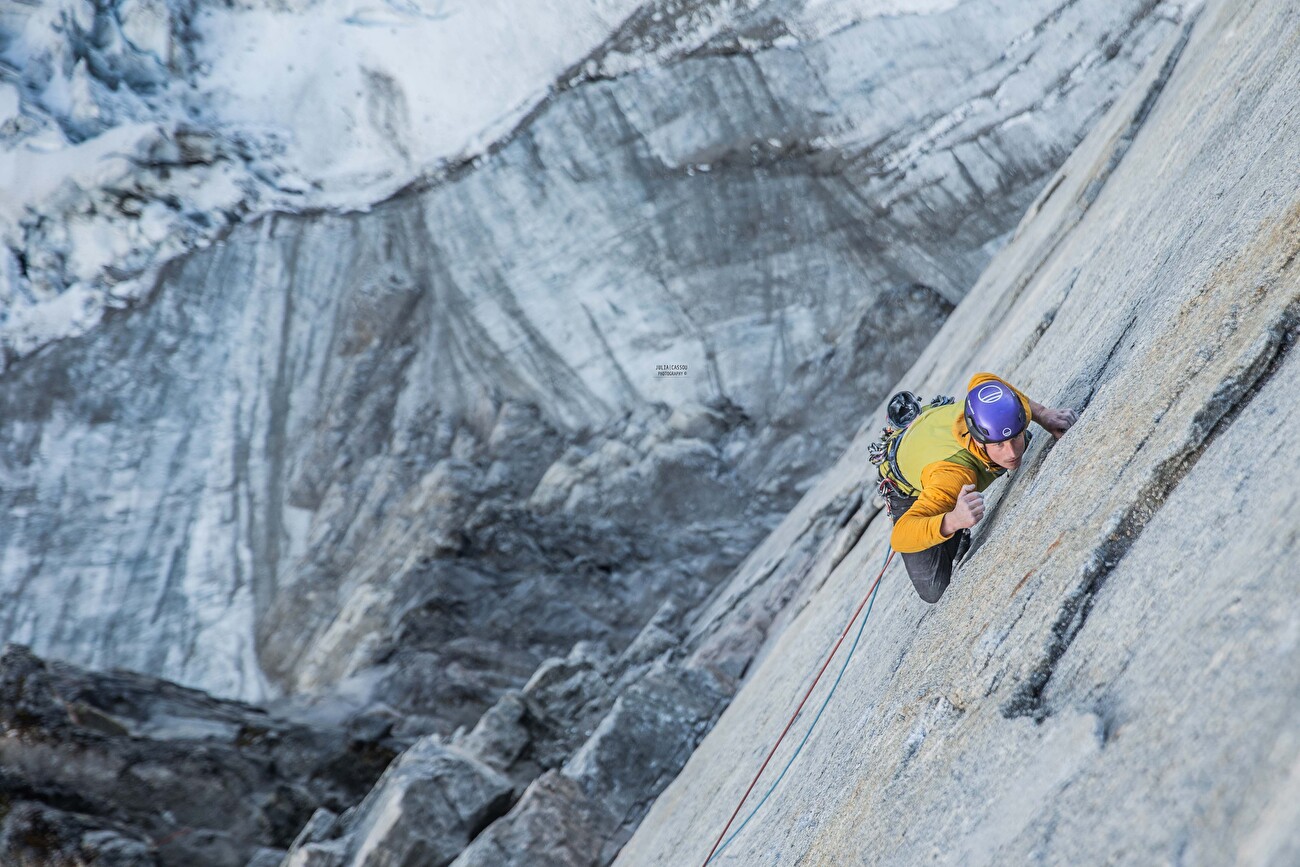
904	408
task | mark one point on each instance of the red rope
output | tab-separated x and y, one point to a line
795	715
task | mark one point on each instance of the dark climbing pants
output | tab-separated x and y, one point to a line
931	569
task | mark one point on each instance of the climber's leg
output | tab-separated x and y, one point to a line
931	569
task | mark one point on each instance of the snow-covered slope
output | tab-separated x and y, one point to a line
133	131
366	95
1114	674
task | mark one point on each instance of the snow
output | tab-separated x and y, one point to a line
333	104
32	175
34	325
371	93
9	99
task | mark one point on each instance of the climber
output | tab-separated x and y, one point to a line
935	462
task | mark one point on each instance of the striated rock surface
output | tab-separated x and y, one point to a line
333	443
1112	676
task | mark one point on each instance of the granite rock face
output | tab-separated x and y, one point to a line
414	473
555	824
1112	676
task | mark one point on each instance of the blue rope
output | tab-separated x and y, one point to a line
870	603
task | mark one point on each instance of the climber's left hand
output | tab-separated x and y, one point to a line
1057	421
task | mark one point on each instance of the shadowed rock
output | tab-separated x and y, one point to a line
423	811
123	768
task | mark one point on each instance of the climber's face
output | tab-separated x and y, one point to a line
1007	453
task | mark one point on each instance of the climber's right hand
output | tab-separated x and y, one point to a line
968	512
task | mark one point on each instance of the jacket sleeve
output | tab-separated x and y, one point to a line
918	528
981	378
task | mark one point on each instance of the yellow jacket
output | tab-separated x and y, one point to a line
948	458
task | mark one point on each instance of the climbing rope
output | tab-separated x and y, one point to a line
868	602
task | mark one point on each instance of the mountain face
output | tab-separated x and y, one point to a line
518	468
1112	675
427	441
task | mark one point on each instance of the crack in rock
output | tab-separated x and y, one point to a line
1218	414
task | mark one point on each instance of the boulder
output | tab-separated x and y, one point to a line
421	813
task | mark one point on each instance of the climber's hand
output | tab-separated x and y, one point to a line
968	512
1057	421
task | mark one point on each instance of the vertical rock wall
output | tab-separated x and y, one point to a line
1111	677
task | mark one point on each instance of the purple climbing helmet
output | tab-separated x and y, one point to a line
994	413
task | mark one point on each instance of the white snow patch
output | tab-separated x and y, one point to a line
28	327
9	102
337	104
372	93
31	175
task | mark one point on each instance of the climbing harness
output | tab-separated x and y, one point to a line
868	602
